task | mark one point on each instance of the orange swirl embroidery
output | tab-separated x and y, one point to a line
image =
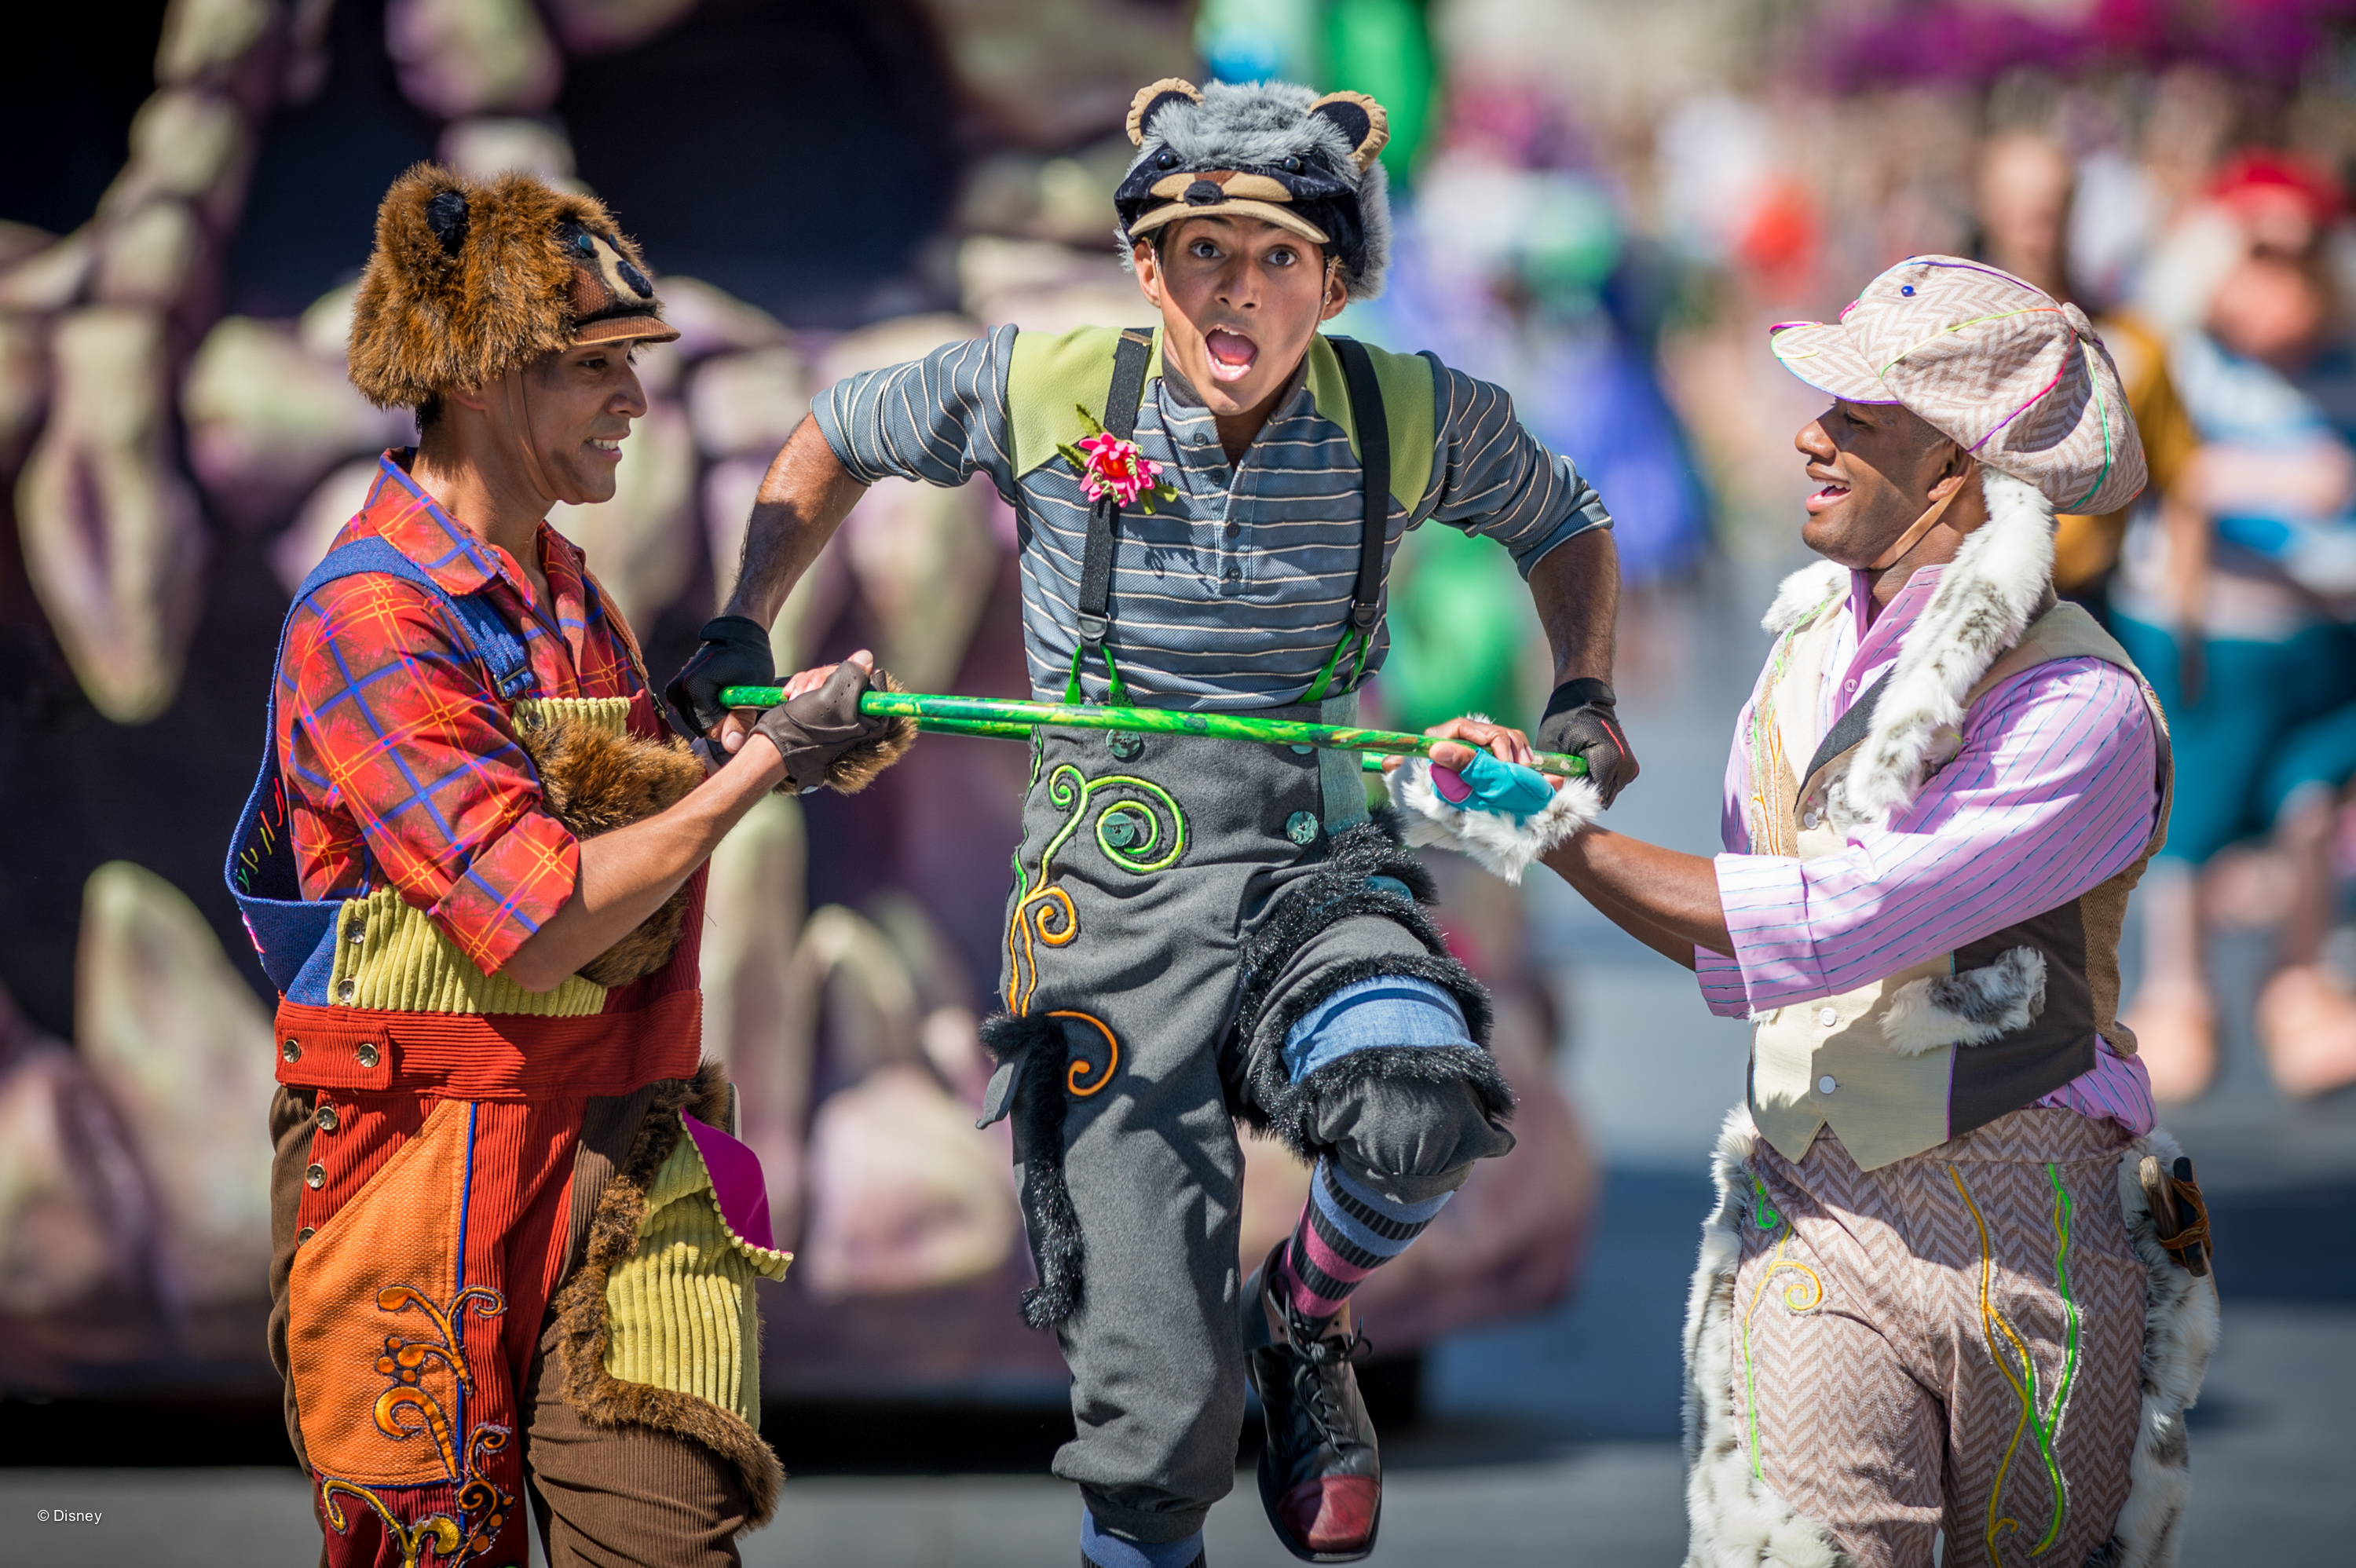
1079	1069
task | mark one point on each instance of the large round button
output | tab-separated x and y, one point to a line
1126	744
1304	750
1828	1017
367	1055
1302	829
327	1118
291	1049
316	1178
304	1234
1827	1084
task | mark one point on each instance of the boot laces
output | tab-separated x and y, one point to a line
1316	1390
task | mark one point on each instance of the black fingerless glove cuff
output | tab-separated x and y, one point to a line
1584	692
741	632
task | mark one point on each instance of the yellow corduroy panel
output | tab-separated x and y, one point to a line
390	954
610	714
681	1312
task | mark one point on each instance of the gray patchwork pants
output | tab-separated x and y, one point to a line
1178	904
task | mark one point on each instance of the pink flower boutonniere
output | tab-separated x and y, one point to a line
1109	465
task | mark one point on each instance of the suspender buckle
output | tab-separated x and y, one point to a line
1093	628
1364	615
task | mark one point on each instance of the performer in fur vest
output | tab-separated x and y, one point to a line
1202	929
1952	1281
513	1239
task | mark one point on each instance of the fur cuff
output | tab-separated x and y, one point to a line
608	1402
593	780
1494	841
1968	1009
1036	1048
859	767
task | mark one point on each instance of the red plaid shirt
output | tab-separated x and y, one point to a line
401	763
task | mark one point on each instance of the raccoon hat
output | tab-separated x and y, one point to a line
1267	150
473	278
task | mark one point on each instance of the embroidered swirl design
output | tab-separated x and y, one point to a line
1079	1070
2040	1421
1804	1295
1134	836
410	1408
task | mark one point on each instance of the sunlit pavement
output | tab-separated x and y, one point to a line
1553	1440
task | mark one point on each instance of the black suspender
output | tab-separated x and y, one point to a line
1374	461
1130	355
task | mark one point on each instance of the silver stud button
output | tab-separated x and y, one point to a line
304	1234
1810	820
367	1055
316	1178
1827	1084
346	989
1302	829
358	934
1829	1016
327	1118
290	1048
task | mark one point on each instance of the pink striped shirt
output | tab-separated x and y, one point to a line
2055	791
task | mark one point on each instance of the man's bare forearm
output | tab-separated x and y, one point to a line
1576	586
627	874
803	499
1667	899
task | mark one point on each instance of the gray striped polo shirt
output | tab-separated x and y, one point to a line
1232	596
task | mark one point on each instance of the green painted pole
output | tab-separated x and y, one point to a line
1009	720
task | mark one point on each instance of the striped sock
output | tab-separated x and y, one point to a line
1347	1230
1105	1549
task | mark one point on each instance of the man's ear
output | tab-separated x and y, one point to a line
1953	472
1337	290
1147	261
468	396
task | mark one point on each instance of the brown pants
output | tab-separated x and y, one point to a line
604	1497
1956	1340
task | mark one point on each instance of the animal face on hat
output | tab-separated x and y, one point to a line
1269	150
471	278
2013	375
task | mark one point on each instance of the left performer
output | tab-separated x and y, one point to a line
473	867
1202	929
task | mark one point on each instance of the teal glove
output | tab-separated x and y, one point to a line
1492	785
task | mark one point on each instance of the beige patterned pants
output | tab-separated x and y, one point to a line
1952	1340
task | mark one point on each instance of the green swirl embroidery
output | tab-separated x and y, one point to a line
1127	830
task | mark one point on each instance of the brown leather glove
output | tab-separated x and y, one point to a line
816	728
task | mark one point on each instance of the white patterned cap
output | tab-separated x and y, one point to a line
2013	375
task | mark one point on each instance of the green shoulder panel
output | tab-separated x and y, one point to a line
1047	374
1050	373
1409	408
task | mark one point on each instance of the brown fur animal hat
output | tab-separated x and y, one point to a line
473	278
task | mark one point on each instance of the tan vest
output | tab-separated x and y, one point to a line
1830	1060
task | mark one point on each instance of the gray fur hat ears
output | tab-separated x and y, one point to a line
1273	150
1364	124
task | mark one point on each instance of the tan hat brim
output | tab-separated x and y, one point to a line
626	329
1821	354
1282	217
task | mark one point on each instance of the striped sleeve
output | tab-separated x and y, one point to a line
939	419
2053	792
1492	477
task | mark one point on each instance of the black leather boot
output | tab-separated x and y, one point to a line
1321	1473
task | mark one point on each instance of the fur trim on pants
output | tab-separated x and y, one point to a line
606	1401
1734	1519
1036	1047
1260	1089
2180	1326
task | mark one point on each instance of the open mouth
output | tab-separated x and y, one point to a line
1831	496
607	447
1232	354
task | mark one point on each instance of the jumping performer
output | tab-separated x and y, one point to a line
512	1238
1201	929
1956	1279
